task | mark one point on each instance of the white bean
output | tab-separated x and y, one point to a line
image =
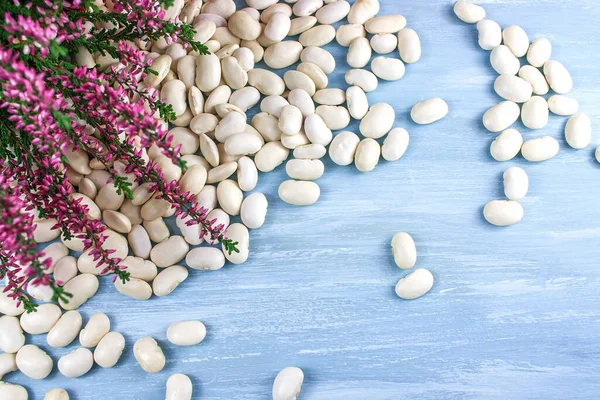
504	61
490	34
468	12
378	121
42	320
290	120
316	130
179	387
11	334
310	151
503	212
540	149
362	11
205	258
563	105
404	250
333	12
186	333
516	183
283	54
13	392
415	284
149	355
109	350
301	24
97	326
364	79
168	279
254	210
83	287
34	362
395	144
539	52
8	364
306	170
77	363
247	174
238	233
288	383
558	77
578	131
303	8
429	111
301	99
230	196
507	145
386	68
267	82
278	27
317	36
516	39
390	23
343	147
384	43
335	117
135	288
330	97
57	394
299	193
534	113
320	57
367	155
359	52
501	116
169	252
357	102
513	88
409	45
65	330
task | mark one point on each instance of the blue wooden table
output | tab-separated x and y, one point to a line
514	312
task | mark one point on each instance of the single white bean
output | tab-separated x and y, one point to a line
299	193
288	384
578	131
343	148
534	113
335	117
378	121
490	34
168	279
205	258
11	334
390	23
13	392
504	61
364	79
539	52
320	57
179	387
404	250
501	116
186	333
109	350
254	210
415	284
386	68
290	120
169	252
535	78
359	52
395	144
83	287
306	170
507	145
513	88
42	320
357	102
503	212
34	362
149	355
8	364
409	45
57	394
65	330
516	183
97	326
540	149
310	151
563	105
429	111
230	196
316	130
468	12
384	43
367	155
558	77
238	233
516	39
77	363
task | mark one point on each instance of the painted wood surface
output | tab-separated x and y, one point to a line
514	313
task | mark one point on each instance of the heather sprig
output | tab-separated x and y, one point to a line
50	106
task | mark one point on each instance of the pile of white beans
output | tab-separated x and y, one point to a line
211	96
522	88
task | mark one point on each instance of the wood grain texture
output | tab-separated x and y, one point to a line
514	313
